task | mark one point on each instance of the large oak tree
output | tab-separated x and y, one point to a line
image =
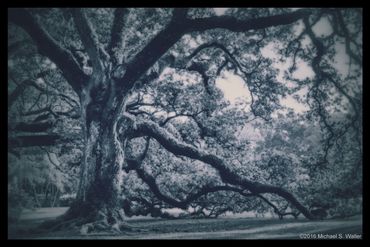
108	67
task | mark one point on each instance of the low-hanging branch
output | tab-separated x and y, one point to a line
41	139
183	204
166	139
280	213
135	164
34	140
33	127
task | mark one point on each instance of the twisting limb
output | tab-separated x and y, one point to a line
348	38
213	45
197	67
320	51
280	213
135	164
321	75
193	116
246	75
28	82
149	128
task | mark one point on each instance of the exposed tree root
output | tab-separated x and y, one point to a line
89	221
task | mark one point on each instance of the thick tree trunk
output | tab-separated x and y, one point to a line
97	206
99	188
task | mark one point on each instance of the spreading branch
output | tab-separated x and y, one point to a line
149	128
180	25
150	54
117	40
33	127
48	47
135	164
236	25
46	90
280	213
89	38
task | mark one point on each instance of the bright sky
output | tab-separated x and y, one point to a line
220	11
233	87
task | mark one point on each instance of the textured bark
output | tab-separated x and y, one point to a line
97	206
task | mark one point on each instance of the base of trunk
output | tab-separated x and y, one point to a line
90	220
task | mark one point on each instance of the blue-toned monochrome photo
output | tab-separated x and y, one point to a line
185	123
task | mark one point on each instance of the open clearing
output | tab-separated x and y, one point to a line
221	228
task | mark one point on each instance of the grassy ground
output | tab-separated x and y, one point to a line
221	228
